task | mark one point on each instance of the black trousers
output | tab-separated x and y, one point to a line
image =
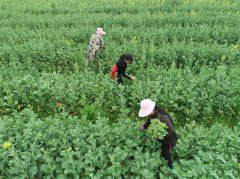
167	154
119	80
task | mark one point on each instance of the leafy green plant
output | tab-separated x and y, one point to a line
77	147
91	111
60	120
157	129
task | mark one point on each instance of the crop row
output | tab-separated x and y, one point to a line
125	20
120	6
187	95
166	34
62	146
63	55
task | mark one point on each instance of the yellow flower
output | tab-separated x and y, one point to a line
7	145
223	58
235	47
19	106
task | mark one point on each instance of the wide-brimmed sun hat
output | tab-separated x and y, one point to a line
100	31
146	107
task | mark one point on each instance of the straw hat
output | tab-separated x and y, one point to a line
147	106
100	32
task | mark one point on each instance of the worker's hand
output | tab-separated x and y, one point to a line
142	128
133	78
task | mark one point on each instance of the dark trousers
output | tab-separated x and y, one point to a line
119	80
167	154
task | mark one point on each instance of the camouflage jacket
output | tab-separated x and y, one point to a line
95	46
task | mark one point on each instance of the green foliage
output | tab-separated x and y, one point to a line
188	96
157	129
91	112
53	35
77	147
208	153
59	120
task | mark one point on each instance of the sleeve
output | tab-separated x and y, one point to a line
97	44
125	75
121	69
90	44
165	119
92	41
101	43
147	123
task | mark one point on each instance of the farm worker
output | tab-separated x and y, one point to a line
95	46
119	69
149	109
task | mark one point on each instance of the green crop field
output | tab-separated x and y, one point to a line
59	119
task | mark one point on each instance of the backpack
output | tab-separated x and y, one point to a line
114	72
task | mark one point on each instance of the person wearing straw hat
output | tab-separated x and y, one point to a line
119	69
149	109
95	46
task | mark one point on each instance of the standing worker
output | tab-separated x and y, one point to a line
95	46
150	110
119	69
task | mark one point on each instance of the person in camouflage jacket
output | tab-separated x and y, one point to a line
95	46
